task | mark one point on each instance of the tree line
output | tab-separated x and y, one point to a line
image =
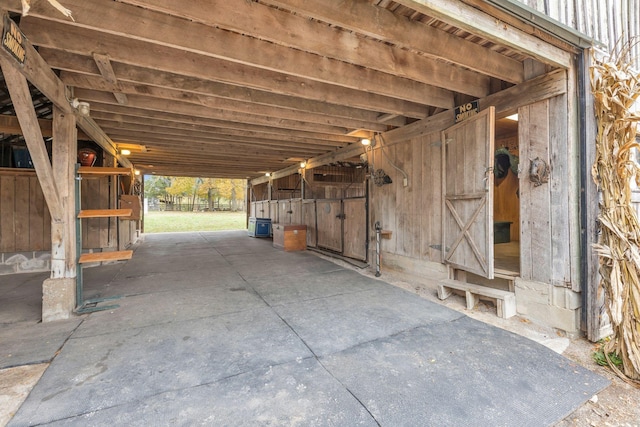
196	191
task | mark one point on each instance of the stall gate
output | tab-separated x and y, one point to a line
338	225
342	226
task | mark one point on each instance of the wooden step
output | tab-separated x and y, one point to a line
510	276
90	170
505	300
105	256
104	213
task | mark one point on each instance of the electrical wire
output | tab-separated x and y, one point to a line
404	174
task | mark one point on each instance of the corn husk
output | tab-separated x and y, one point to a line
616	87
26	6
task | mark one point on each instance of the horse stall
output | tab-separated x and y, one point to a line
331	201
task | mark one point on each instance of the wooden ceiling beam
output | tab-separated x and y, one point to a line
381	23
205	173
240	166
476	22
238	106
226	46
160	73
184	108
217	127
363	17
197	86
104	65
193	150
150	139
298	32
114	128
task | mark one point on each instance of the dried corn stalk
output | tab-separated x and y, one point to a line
26	6
616	87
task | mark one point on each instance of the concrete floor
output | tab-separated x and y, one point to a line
222	329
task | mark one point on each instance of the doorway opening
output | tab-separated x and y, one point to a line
506	199
181	204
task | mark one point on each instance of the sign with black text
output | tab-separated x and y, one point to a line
467	110
13	40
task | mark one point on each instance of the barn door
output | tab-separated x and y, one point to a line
329	219
355	228
284	216
467	188
309	219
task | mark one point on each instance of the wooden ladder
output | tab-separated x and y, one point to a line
82	305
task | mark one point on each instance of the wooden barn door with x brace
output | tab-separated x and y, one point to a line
467	194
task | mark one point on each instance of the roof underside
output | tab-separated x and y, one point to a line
237	89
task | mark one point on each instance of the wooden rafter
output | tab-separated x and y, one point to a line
104	65
21	98
219	46
278	78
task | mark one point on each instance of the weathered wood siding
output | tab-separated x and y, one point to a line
97	232
26	223
412	213
287	187
604	20
544	208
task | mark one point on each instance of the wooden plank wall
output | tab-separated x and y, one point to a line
96	194
544	214
287	187
347	184
535	221
260	192
26	223
413	213
604	20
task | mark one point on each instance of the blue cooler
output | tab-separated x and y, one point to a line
259	227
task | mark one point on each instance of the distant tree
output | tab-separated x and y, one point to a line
232	190
181	186
155	187
208	190
213	190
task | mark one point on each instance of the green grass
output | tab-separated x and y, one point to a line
158	222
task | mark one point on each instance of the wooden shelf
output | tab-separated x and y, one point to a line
88	170
105	256
104	213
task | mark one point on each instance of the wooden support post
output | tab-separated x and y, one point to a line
64	160
59	292
247	202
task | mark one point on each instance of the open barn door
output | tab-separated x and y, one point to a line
467	194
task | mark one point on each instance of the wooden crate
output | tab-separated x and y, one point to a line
290	237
